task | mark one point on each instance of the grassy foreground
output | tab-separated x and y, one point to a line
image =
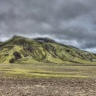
47	71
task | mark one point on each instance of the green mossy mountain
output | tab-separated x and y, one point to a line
0	42
23	50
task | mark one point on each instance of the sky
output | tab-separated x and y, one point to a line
71	22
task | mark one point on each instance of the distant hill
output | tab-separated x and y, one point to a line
23	50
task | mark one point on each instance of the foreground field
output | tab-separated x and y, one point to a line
48	87
47	71
47	80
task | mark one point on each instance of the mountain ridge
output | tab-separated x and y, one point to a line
22	50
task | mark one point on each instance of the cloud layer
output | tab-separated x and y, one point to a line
71	22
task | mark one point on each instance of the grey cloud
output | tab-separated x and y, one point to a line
71	22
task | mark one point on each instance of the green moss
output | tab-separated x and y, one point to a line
42	50
46	71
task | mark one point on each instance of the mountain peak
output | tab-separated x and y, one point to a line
16	36
45	40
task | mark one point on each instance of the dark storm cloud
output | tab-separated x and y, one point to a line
71	22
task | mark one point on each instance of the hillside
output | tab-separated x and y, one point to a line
0	42
24	50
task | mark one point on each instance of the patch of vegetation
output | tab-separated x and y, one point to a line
46	71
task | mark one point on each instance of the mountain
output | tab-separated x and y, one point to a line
23	50
0	42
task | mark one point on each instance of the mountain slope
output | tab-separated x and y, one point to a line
24	50
0	42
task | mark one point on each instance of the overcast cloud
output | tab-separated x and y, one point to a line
71	22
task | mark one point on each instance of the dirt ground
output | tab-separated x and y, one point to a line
48	87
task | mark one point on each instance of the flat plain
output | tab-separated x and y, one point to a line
47	80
